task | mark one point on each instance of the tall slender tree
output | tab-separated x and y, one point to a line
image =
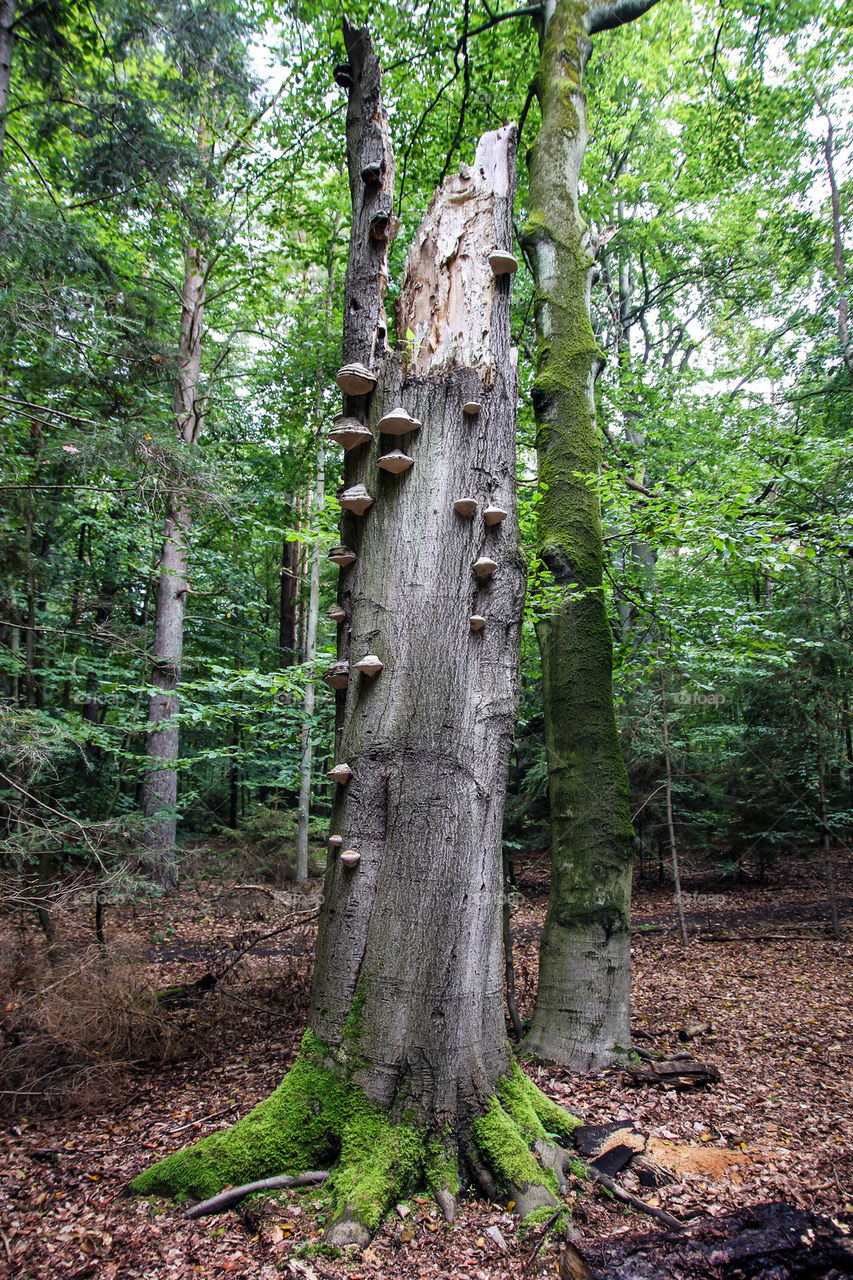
583	1002
7	39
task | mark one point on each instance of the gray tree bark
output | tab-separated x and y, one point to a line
7	41
160	785
417	925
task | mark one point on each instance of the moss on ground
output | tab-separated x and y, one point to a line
538	1217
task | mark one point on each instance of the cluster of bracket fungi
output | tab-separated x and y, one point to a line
349	432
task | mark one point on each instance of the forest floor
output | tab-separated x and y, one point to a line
125	1088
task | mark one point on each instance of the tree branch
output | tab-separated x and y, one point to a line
606	15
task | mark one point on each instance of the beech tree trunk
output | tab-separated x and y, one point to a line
7	41
160	786
582	1014
406	1065
429	738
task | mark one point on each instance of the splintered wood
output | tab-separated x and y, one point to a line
449	287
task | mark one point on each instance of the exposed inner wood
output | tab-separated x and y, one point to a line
449	288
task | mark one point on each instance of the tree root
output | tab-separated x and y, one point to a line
317	1117
228	1199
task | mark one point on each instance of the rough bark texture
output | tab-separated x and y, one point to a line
582	1008
406	1064
160	788
7	40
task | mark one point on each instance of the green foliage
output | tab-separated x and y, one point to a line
725	397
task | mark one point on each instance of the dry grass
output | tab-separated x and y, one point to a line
71	1028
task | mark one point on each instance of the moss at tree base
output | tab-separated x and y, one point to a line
317	1118
313	1119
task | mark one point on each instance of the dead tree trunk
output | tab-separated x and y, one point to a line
160	787
406	1066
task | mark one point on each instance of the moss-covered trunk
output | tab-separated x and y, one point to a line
406	1074
582	1007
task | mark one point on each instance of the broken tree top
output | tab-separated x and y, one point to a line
455	314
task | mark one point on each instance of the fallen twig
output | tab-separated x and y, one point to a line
300	918
635	1202
227	1199
542	1234
193	1124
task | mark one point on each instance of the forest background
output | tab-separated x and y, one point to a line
161	139
174	216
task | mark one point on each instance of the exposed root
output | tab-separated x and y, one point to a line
519	1117
317	1116
297	1127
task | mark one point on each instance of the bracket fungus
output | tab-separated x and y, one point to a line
337	675
355	379
370	665
342	75
350	858
494	515
371	173
395	462
337	613
357	500
349	432
340	774
335	842
472	408
477	622
342	556
398	423
379	225
503	263
484	567
465	506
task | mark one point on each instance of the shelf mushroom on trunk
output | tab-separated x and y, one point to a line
356	379
356	499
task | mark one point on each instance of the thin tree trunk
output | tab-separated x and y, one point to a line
307	754
7	41
582	1007
14	647
843	312
287	601
847	726
233	776
160	787
827	849
673	847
